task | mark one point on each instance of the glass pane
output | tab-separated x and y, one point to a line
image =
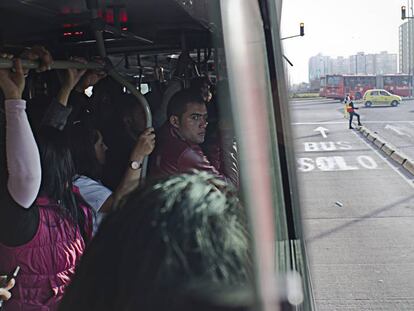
353	192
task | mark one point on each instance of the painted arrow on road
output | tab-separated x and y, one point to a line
396	130
322	130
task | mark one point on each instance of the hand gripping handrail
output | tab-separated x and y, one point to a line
109	68
57	64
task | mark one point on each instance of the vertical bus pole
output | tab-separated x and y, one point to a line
411	48
250	97
93	6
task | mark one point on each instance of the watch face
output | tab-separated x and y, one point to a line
134	165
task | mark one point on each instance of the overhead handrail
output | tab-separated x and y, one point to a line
57	64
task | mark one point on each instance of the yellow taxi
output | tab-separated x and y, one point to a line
380	97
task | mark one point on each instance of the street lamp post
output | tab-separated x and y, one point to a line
410	40
301	32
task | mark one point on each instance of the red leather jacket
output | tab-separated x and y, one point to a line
173	155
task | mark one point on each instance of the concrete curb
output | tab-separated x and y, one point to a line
399	158
409	166
387	148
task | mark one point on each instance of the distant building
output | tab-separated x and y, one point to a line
361	64
371	64
405	66
340	64
302	87
386	63
319	66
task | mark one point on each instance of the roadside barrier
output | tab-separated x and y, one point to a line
387	148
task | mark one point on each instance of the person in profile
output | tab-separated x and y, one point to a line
178	148
350	108
165	241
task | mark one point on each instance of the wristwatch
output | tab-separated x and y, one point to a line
135	165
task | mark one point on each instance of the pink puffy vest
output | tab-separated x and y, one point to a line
47	262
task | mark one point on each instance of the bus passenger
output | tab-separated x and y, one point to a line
47	238
185	230
88	149
202	84
122	134
89	152
178	140
78	100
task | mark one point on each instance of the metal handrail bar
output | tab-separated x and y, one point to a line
57	64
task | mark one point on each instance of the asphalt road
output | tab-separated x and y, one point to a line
394	124
357	208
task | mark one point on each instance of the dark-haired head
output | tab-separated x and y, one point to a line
187	229
178	103
57	163
57	170
87	156
132	115
202	84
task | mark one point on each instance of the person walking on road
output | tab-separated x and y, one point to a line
351	110
346	100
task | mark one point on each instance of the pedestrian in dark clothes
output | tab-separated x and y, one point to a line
351	110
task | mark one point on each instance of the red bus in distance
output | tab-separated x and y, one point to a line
398	84
338	86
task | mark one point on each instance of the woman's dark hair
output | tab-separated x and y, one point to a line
83	137
187	229
57	173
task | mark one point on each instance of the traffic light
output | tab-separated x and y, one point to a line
403	15
302	29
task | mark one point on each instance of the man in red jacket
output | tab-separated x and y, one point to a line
351	110
178	150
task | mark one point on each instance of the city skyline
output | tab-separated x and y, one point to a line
360	63
338	28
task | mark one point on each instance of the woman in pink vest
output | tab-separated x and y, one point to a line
46	236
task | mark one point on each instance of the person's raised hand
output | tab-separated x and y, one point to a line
73	75
38	53
12	80
92	76
145	144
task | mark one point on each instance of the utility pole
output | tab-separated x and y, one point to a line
410	41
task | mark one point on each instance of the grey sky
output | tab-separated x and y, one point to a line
338	28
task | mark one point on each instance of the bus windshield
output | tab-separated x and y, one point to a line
334	81
354	147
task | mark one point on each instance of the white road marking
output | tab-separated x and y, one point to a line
396	130
322	130
336	163
346	122
326	146
408	180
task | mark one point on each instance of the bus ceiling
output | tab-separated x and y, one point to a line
66	26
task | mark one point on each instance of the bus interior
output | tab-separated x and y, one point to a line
144	44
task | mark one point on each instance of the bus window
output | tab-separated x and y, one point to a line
333	81
214	80
342	149
144	88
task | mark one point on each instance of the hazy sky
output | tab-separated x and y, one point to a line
338	28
